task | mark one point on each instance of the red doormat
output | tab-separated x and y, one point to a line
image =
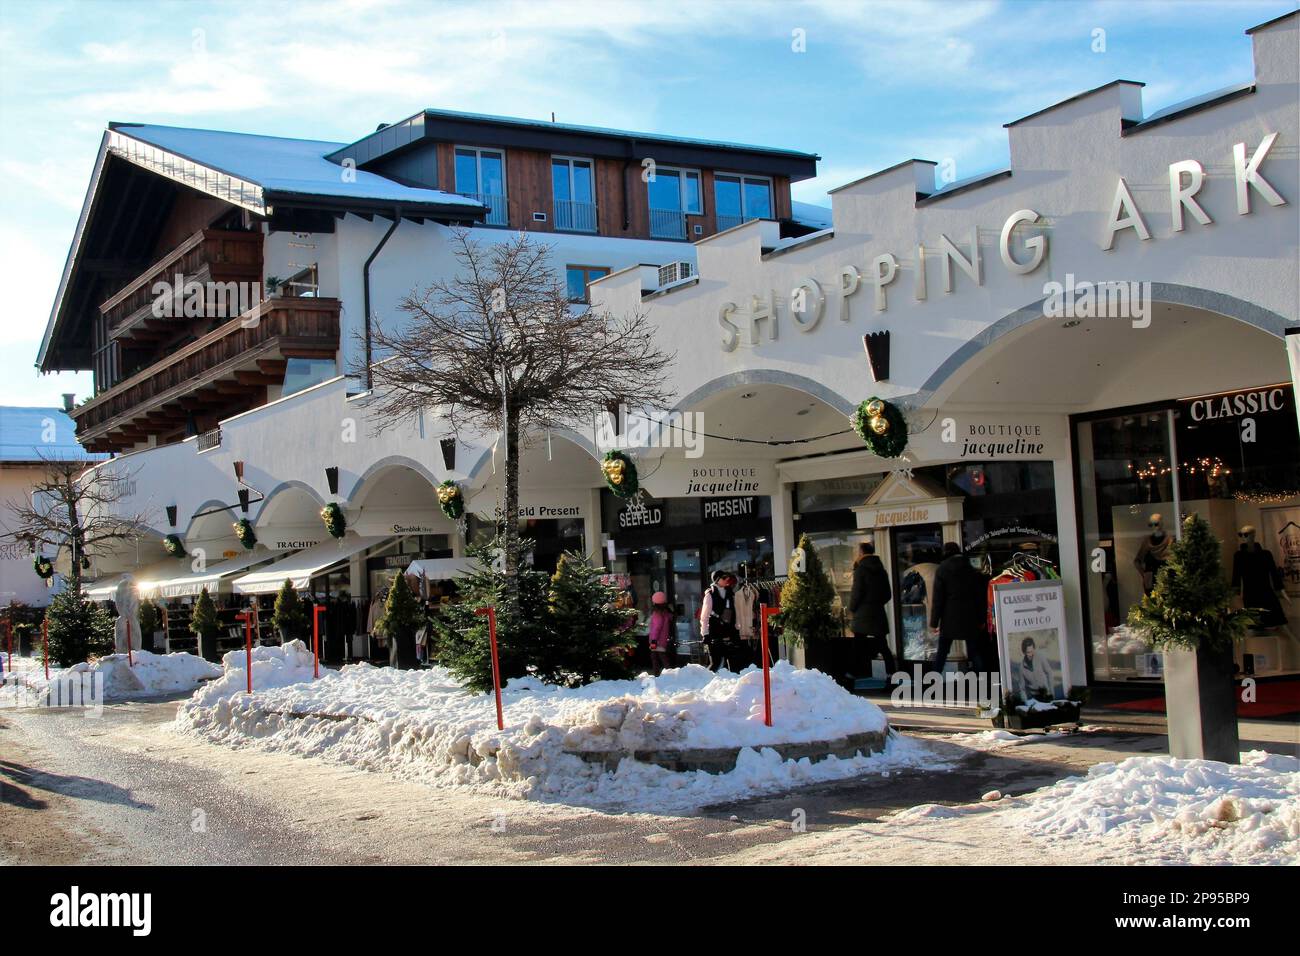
1272	699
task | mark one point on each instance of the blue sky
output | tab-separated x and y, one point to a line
874	83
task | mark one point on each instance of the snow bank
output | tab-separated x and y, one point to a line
1178	811
144	675
424	725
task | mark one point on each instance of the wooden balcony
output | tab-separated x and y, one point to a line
210	255
225	372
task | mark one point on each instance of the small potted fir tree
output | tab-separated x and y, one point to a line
149	620
807	612
205	625
1189	614
402	618
289	617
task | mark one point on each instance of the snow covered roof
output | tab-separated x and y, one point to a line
39	434
286	167
807	214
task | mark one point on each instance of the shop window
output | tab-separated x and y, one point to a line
1126	486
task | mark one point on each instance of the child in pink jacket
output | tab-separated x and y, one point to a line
661	630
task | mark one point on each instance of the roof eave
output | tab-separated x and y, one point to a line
69	264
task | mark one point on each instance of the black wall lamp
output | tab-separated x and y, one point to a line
171	515
448	453
332	479
877	346
243	500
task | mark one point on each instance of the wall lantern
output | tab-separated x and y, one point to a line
171	516
448	453
332	478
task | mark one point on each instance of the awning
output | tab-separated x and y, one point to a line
440	569
212	577
105	588
304	565
102	590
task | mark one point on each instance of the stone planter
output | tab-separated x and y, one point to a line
1201	705
401	651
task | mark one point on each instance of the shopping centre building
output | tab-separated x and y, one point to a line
1088	339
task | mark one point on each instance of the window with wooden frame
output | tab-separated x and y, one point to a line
577	278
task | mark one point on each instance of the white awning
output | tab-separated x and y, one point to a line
213	577
304	565
440	569
105	589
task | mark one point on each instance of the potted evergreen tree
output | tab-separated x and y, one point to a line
149	619
807	616
402	618
289	617
205	625
1189	615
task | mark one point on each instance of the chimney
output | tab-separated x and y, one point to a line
69	399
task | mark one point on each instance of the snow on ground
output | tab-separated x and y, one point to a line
143	675
1193	811
1142	810
424	725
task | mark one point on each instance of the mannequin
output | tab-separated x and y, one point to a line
1153	552
1256	574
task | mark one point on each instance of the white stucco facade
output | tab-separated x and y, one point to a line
769	337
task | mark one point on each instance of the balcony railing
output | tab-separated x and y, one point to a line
230	362
498	214
574	216
667	224
209	255
730	222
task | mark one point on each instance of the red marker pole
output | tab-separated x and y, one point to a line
764	612
45	645
491	613
247	618
129	661
316	611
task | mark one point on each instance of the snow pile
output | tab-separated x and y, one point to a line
144	674
1194	811
424	725
273	667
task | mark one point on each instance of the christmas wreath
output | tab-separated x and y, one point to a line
173	546
244	532
336	523
44	567
881	427
620	474
451	499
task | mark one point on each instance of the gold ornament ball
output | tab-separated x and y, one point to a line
879	424
875	408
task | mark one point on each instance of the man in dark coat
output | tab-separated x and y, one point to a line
959	608
871	592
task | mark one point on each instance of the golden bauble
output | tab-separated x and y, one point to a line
614	470
879	424
875	408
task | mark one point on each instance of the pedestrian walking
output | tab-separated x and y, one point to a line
661	630
870	626
959	608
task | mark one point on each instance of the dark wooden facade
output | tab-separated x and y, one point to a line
622	197
225	371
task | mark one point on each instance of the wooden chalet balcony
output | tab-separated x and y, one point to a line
220	374
210	255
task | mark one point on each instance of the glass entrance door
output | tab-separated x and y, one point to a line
687	595
917	551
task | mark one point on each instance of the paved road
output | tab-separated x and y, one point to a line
125	789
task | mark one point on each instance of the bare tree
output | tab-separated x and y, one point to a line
72	512
501	348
